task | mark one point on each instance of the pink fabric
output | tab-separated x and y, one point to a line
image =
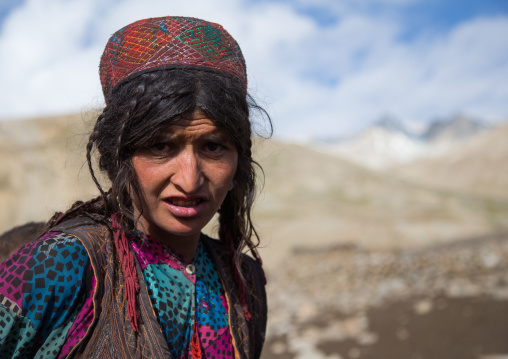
81	323
154	252
17	267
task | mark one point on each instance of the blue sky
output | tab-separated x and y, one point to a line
416	15
322	68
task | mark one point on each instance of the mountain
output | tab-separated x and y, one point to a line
455	129
390	142
479	165
378	147
311	200
394	125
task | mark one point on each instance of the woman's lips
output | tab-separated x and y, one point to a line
181	207
184	203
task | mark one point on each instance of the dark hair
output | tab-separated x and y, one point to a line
147	104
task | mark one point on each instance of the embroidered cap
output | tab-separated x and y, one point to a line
169	42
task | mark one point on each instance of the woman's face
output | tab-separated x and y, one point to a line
184	177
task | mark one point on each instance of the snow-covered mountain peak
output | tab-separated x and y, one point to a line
390	141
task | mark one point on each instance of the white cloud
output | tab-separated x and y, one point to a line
459	71
315	80
44	67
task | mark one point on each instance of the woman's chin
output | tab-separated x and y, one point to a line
178	230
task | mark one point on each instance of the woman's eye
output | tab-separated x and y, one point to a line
214	147
160	148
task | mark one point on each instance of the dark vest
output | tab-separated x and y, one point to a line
111	336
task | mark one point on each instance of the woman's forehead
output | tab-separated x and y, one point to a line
195	126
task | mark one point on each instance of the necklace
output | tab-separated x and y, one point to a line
169	253
187	265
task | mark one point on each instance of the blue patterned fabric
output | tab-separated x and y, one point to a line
47	287
43	288
186	301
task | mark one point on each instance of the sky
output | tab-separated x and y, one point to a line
321	68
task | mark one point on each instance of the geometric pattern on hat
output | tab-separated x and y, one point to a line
168	42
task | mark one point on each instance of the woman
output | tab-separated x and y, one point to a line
129	274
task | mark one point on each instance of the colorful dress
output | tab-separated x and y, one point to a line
46	292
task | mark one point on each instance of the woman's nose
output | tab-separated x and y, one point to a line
188	176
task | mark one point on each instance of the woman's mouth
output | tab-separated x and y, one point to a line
181	207
185	203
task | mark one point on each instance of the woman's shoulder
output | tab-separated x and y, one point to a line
42	287
49	263
50	268
92	234
49	249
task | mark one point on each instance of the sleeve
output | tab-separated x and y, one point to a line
45	297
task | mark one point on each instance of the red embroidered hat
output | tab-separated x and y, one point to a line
169	42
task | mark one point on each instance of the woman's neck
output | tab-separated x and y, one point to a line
185	246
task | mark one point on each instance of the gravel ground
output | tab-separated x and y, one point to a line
448	301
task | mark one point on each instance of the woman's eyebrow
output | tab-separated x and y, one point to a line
218	135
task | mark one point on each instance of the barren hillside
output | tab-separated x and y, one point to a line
479	166
311	200
42	167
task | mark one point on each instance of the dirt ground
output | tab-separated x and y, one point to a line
465	328
444	302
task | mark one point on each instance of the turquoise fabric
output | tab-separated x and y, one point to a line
187	297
